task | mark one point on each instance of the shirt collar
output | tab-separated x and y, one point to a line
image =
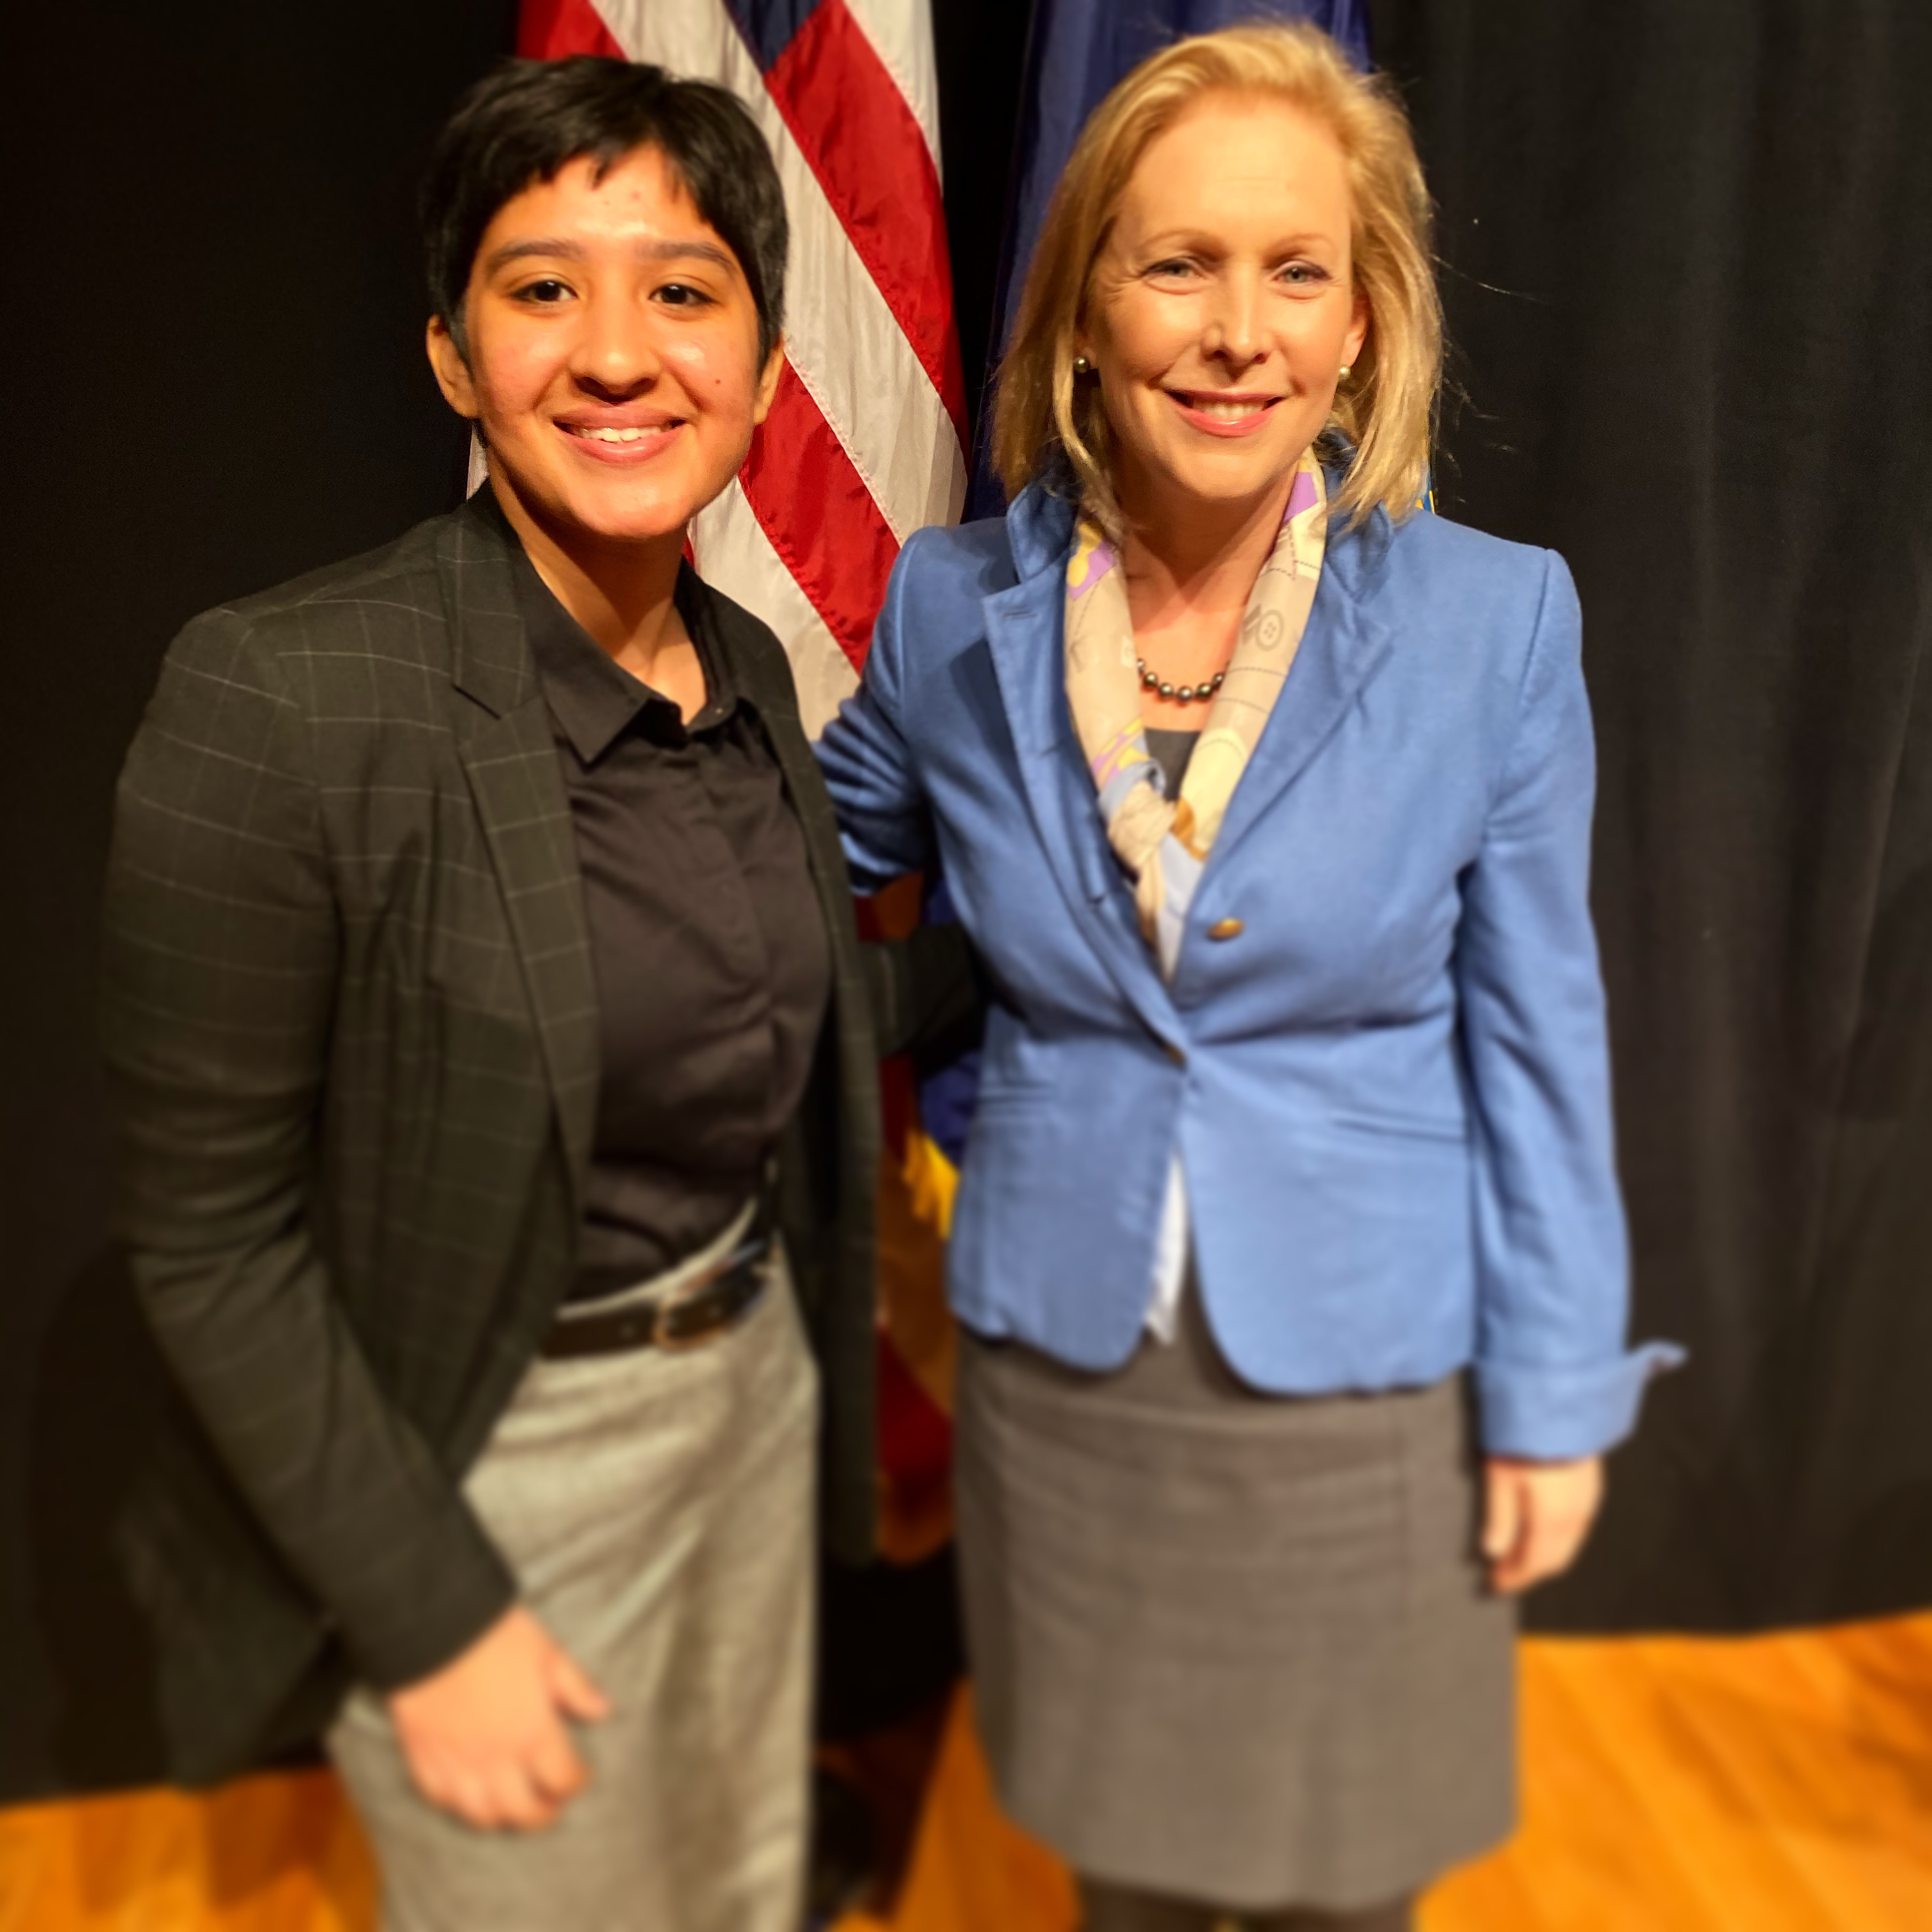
593	699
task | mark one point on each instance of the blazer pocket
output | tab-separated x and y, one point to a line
1404	1126
1014	1093
1000	1112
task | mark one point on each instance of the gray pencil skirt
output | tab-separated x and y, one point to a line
1229	1646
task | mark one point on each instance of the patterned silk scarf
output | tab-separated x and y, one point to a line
1163	843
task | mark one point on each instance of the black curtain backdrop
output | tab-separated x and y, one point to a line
1687	277
980	47
1687	254
214	356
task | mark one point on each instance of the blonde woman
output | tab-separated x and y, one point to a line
1288	1246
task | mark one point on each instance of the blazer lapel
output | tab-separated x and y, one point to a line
1345	645
510	759
759	664
1023	633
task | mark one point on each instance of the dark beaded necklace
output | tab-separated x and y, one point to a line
1181	693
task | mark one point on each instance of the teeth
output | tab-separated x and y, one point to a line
615	435
1227	411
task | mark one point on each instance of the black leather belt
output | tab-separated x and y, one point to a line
693	1315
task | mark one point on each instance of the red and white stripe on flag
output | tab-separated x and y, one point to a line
865	442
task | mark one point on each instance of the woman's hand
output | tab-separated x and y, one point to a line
1535	1516
484	1736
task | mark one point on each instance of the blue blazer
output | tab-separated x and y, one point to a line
1389	1088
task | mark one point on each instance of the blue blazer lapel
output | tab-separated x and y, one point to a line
1345	645
1023	634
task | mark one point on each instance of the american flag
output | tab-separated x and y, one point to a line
865	442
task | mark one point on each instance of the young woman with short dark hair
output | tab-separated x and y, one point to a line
496	1086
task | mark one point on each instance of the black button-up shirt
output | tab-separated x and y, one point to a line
709	951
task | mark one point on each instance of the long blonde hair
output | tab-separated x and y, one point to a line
1386	410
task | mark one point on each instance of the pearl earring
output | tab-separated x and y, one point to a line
1346	367
1081	367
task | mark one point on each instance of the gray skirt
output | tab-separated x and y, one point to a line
1230	1646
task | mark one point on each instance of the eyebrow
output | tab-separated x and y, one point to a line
1167	240
553	248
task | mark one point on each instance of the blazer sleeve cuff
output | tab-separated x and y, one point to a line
449	1595
1559	1414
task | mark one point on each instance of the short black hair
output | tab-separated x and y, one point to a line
526	119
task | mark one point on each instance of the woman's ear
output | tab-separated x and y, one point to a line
452	371
1358	327
768	382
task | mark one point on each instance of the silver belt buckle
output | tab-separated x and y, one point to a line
662	1338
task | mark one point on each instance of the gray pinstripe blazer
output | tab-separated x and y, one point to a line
350	1028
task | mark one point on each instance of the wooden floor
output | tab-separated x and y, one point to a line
1782	1784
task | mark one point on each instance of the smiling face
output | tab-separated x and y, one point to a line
1222	305
612	361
